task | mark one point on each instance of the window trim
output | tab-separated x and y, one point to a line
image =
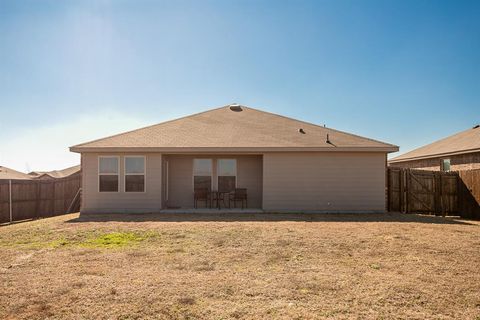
125	174
193	172
108	174
236	176
442	167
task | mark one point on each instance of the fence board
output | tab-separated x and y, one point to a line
421	191
38	198
394	192
469	193
434	192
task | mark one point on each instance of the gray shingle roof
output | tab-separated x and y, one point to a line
56	173
462	142
226	128
7	173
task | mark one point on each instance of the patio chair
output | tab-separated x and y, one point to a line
201	194
239	194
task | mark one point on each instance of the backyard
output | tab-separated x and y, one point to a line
226	266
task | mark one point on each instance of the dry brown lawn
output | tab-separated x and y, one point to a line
228	266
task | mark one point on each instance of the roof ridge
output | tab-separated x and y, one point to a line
317	125
146	127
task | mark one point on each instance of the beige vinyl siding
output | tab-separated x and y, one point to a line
180	192
94	201
324	181
313	181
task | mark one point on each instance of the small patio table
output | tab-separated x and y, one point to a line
217	196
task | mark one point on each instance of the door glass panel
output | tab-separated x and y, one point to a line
202	182
226	183
202	167
227	167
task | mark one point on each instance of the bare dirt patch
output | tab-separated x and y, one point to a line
240	267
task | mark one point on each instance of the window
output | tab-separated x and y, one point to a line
227	174
202	173
445	165
108	174
134	174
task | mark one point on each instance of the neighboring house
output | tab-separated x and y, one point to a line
460	151
55	174
10	174
7	173
285	164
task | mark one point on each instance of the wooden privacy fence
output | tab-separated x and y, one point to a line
441	193
30	199
469	193
408	190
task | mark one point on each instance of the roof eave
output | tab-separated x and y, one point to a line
386	149
435	155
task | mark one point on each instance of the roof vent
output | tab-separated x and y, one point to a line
301	131
235	107
476	126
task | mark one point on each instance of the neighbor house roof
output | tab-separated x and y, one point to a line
56	173
463	142
234	128
7	173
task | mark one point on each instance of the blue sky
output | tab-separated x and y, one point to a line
405	72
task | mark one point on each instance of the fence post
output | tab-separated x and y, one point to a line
10	199
441	195
37	199
436	193
401	187
407	191
389	189
54	184
460	192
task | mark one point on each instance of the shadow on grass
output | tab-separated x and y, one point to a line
269	217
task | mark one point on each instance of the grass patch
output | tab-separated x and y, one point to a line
58	243
117	240
375	266
89	239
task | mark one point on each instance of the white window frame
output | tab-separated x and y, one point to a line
193	172
218	167
125	174
108	174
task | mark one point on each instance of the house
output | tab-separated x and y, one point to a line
7	174
10	174
285	164
460	151
55	174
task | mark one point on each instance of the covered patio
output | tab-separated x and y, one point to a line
222	176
